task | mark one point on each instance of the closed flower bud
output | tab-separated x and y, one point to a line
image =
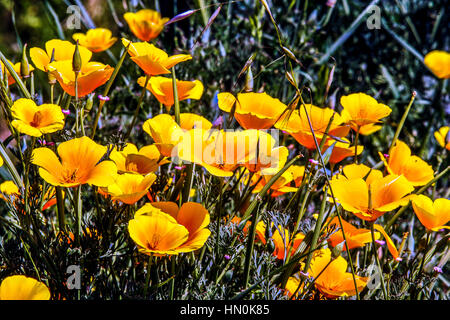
89	103
228	276
76	61
336	251
24	65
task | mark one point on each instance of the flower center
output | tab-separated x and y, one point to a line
36	119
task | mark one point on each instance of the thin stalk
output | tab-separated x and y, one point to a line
402	121
147	278
10	166
60	209
374	250
138	107
317	228
172	281
79	208
356	146
175	97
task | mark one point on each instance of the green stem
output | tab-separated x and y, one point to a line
175	97
374	250
147	278
402	121
60	208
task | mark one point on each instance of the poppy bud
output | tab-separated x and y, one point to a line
336	252
24	65
51	77
76	61
249	80
228	276
89	103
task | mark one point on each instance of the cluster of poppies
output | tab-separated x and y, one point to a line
162	228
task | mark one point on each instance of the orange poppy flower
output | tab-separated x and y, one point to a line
92	75
79	164
129	188
433	215
362	112
442	137
151	60
401	162
283	184
146	24
297	125
161	228
142	161
280	238
341	150
162	89
368	201
332	278
356	237
253	110
36	120
21	287
64	50
439	63
96	40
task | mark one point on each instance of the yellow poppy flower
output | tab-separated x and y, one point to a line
9	188
355	237
162	89
150	59
282	185
79	164
443	138
146	24
368	201
64	50
16	67
190	121
23	288
129	188
439	63
96	40
92	75
161	228
332	279
142	161
208	148
297	125
362	112
356	171
165	132
253	110
36	120
222	152
433	215
401	162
